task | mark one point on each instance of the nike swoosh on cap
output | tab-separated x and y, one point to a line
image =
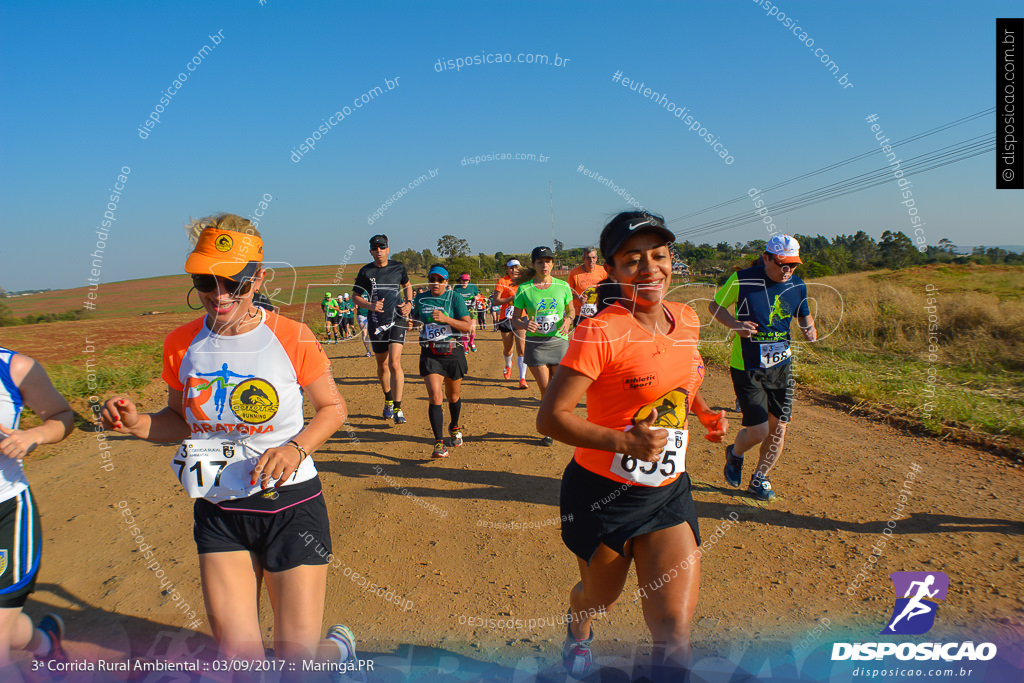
634	227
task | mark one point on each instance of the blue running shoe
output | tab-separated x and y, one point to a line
53	626
733	467
389	410
577	657
400	417
761	489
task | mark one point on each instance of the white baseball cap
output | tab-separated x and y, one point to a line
785	248
513	262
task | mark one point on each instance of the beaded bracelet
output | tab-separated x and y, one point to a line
302	451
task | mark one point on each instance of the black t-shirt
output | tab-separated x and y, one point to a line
381	283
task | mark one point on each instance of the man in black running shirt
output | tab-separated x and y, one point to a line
378	288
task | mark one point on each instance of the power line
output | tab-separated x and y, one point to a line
950	154
850	160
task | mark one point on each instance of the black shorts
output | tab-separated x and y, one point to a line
452	365
382	339
333	319
597	510
285	539
762	391
21	546
504	325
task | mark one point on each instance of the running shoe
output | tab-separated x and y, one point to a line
761	489
440	450
472	348
389	410
577	658
342	635
368	354
547	441
733	467
400	417
456	434
507	374
53	626
523	384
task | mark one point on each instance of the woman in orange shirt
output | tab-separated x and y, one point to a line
626	489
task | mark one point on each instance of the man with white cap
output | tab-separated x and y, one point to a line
767	296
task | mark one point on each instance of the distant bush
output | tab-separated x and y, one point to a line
8	320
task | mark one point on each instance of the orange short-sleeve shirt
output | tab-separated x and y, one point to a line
634	371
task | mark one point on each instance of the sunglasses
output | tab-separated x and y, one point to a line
784	266
208	283
435	278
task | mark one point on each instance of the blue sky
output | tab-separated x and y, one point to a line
78	79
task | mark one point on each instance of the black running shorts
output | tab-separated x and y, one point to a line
292	536
597	510
763	391
20	549
382	339
452	365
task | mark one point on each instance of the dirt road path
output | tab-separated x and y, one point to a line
430	533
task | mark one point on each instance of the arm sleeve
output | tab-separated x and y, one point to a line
729	293
521	300
589	350
803	310
361	286
310	359
173	353
459	306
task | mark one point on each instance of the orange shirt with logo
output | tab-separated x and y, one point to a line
632	372
584	285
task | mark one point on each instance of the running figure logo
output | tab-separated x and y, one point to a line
779	310
914	613
222	378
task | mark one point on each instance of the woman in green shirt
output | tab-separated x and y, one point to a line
442	355
544	310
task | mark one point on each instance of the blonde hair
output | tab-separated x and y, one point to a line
220	221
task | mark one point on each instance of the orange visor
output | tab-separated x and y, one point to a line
234	255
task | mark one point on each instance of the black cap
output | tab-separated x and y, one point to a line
378	241
627	224
541	252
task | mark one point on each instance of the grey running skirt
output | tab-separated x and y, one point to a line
545	350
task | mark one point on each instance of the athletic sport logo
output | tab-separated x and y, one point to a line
3	561
914	613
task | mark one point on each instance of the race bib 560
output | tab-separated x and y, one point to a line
433	331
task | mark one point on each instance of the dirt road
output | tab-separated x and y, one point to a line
459	542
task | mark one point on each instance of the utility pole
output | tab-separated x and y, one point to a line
551	199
